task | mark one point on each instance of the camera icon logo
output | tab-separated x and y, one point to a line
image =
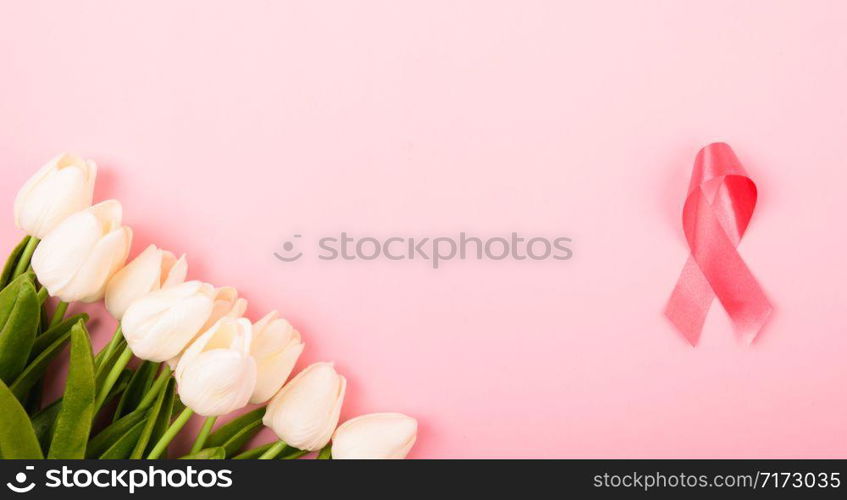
20	479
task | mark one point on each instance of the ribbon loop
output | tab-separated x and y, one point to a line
721	199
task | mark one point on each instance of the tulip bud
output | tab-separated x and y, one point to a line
64	186
377	435
216	374
160	325
305	411
77	258
276	347
153	269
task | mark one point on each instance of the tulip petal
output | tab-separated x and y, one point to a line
217	382
109	213
273	372
158	301
60	188
138	278
25	190
165	333
265	321
107	256
227	333
174	273
227	304
63	251
377	435
276	347
306	410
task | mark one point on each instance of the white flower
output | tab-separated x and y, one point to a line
377	435
160	325
77	258
64	186
225	304
152	270
276	347
216	374
305	411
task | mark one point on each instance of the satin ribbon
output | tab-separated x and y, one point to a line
720	202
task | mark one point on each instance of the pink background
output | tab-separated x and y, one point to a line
226	127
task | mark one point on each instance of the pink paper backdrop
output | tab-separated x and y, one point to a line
226	127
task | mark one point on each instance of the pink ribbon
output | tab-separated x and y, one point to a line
720	202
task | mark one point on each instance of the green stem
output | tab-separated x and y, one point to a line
26	256
253	452
273	451
294	455
59	313
157	386
169	434
110	347
112	377
204	433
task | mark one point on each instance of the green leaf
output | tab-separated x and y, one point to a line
124	445
9	294
17	335
42	423
237	442
236	433
17	437
34	397
49	336
44	420
120	385
44	324
73	425
107	438
12	261
8	297
216	453
325	453
138	386
106	365
149	426
163	420
35	370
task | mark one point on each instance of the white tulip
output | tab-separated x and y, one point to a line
216	374
377	435
160	325
225	304
305	411
64	186
76	259
152	270
276	347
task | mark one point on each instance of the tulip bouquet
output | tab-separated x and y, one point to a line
197	352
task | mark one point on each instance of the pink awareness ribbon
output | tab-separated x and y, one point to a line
720	202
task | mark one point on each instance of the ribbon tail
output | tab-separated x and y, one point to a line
730	278
690	302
